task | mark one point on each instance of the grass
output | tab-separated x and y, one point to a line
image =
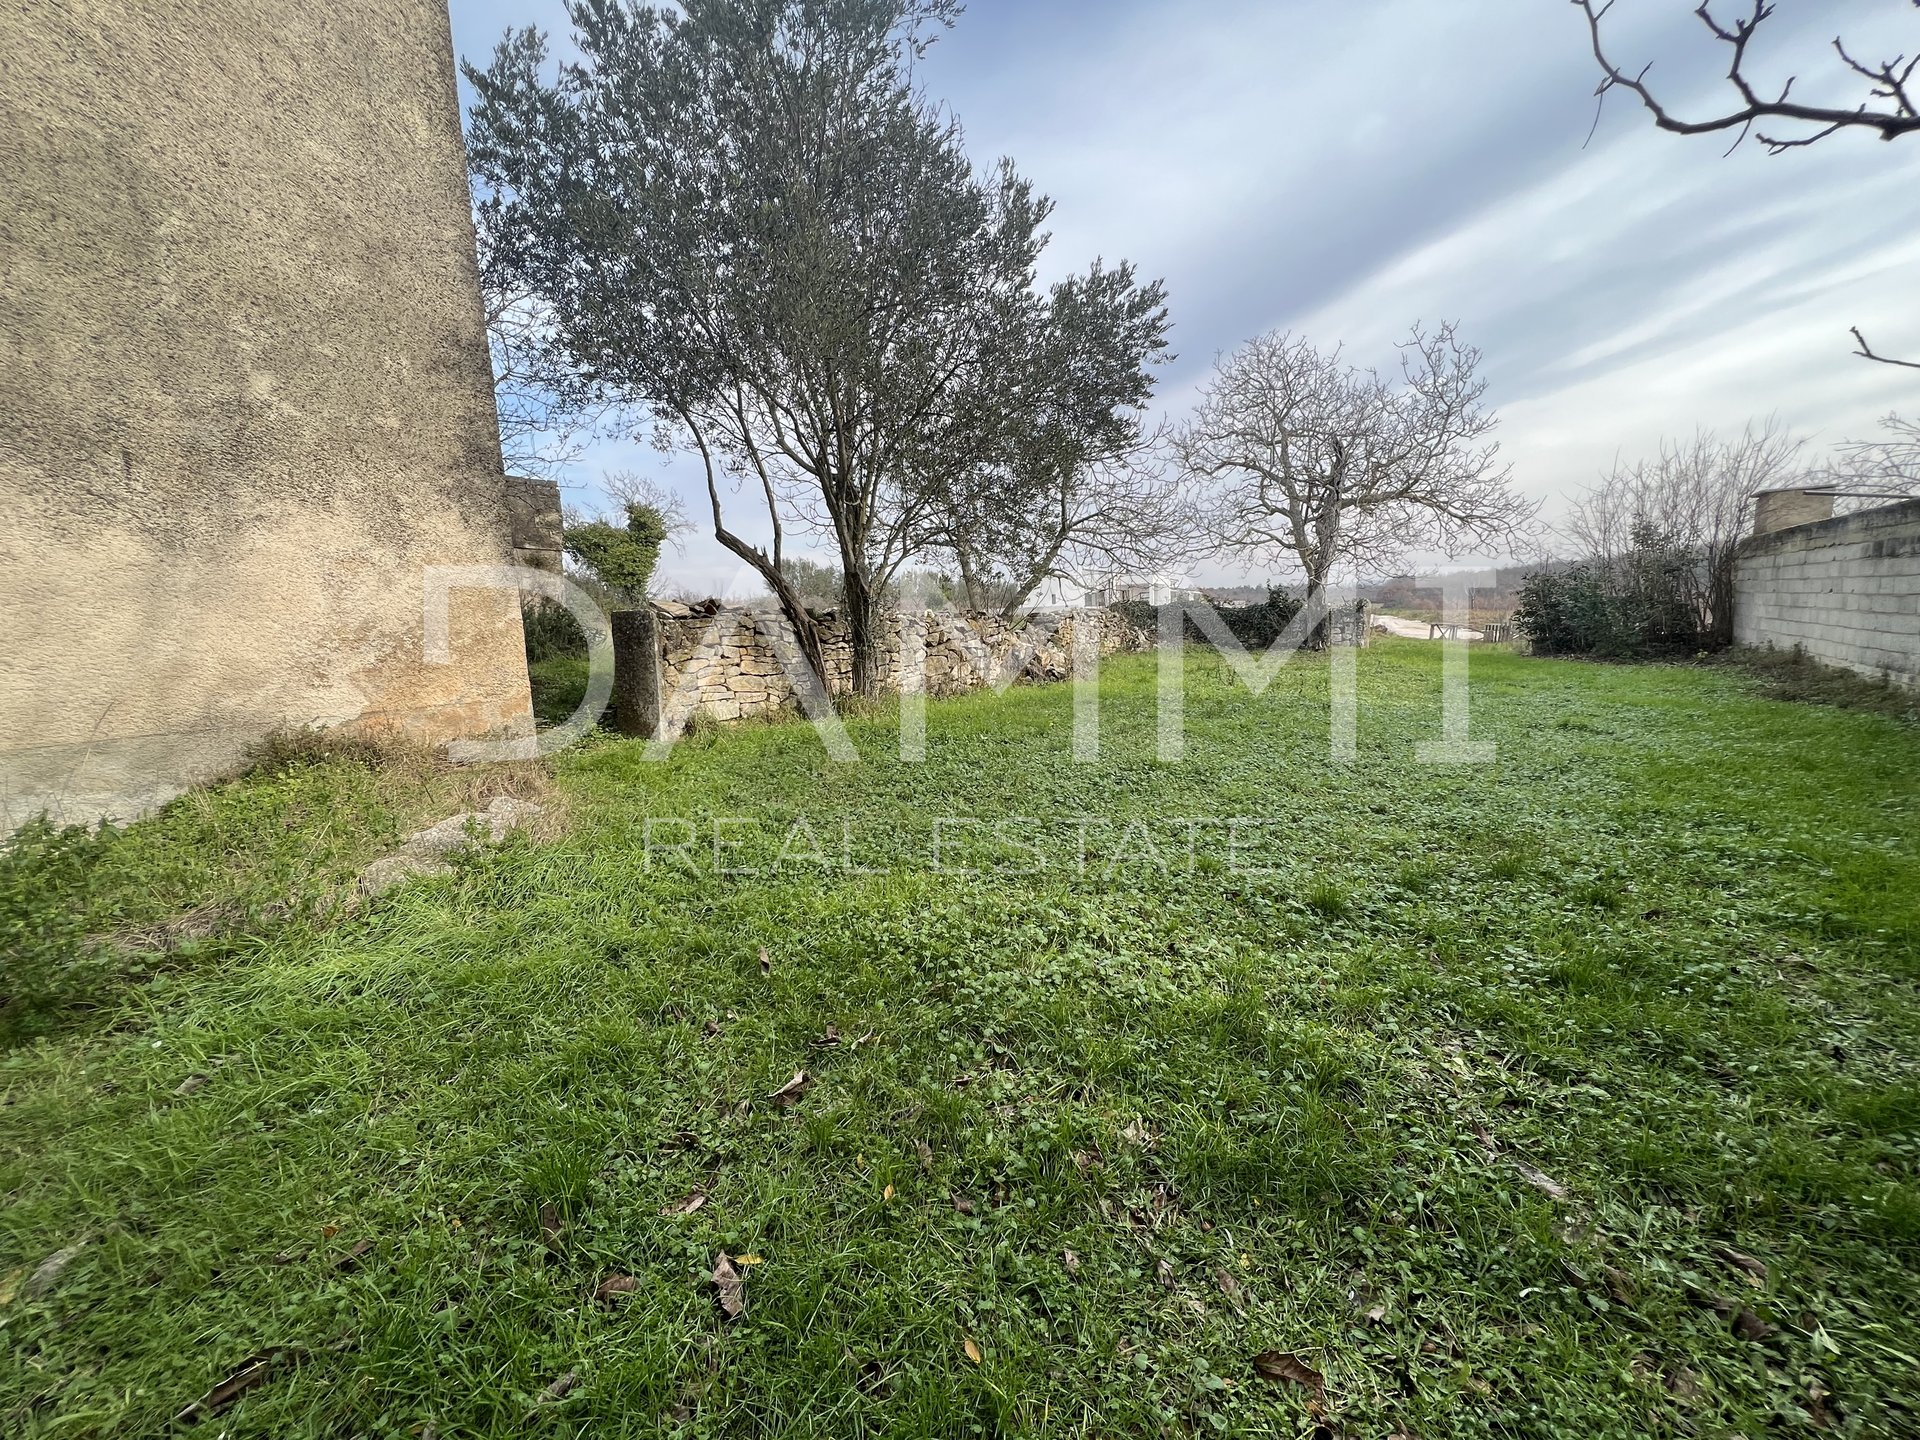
1568	1095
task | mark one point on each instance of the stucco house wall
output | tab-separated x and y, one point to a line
245	396
1845	590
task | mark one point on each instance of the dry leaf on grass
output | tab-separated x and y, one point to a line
729	1287
616	1285
972	1347
350	1261
253	1371
1540	1180
695	1199
766	961
828	1039
925	1151
886	1194
48	1272
1749	1326
190	1084
1755	1270
963	1204
1284	1369
790	1093
1071	1260
554	1393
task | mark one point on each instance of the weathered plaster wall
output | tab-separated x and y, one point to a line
244	391
1846	591
726	665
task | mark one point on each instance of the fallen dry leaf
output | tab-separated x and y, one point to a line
829	1039
1163	1272
1071	1260
1619	1285
1284	1369
190	1084
766	961
1377	1315
1540	1180
963	1205
557	1391
616	1285
350	1261
1749	1326
695	1199
255	1370
730	1289
1756	1270
925	1152
790	1093
327	1232
48	1272
1229	1286
972	1348
886	1194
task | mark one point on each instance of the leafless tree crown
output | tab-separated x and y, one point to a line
1311	459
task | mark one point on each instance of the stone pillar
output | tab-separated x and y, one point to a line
1783	509
636	673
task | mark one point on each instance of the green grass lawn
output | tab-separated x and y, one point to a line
1570	1095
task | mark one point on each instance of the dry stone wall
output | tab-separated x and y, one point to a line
727	664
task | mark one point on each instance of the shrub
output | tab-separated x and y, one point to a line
620	558
551	632
1254	626
1626	607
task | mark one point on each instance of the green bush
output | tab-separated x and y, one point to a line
1641	604
551	632
622	559
1254	626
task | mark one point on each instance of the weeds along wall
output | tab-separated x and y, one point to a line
726	664
245	399
1846	591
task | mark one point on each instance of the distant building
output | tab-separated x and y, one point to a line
1158	589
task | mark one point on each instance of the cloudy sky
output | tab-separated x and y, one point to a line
1343	168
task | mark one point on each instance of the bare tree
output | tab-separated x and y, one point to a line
1887	468
1318	461
1890	105
1697	496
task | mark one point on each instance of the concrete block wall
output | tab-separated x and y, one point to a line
725	665
1846	591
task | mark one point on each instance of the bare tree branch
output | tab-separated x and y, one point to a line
1866	352
1889	107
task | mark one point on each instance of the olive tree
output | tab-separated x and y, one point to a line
1070	479
744	217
